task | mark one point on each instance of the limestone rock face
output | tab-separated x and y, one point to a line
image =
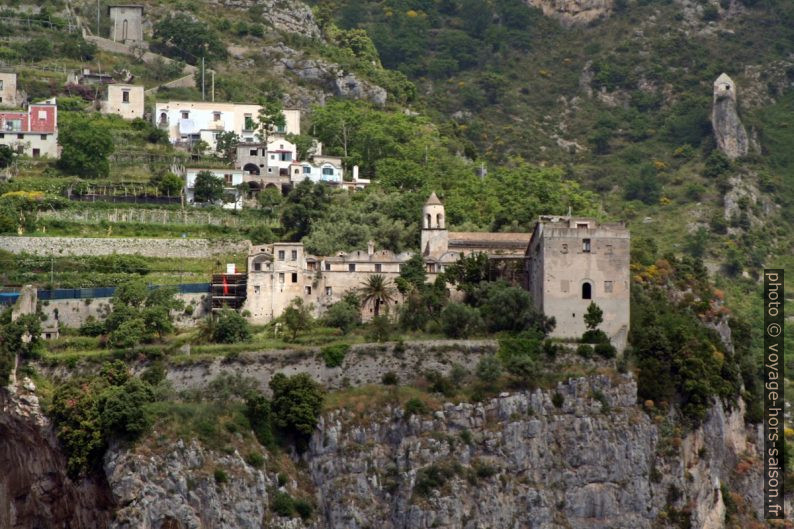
291	16
728	129
34	488
574	12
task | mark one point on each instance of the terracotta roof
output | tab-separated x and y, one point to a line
433	200
487	239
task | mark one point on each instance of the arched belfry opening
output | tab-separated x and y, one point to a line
587	290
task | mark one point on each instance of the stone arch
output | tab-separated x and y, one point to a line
428	219
251	168
440	221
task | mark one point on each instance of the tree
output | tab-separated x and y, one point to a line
6	156
207	188
377	290
296	404
121	410
507	308
271	118
468	272
460	321
187	39
269	200
489	369
230	327
298	317
343	316
259	413
226	145
413	274
128	334
169	184
85	147
306	203
303	143
594	316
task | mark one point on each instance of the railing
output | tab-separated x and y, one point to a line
9	298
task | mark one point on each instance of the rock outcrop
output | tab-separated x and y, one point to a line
728	129
574	12
290	16
591	459
34	488
332	78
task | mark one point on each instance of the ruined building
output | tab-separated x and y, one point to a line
566	263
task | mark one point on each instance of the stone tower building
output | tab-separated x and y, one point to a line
728	129
572	262
435	237
126	23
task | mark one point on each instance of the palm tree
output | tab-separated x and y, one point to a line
377	289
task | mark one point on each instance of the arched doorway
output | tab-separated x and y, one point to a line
587	290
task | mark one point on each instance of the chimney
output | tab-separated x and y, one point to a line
370	244
355	173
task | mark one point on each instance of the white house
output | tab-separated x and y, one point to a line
190	121
233	198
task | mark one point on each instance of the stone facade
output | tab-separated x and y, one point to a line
126	23
191	248
8	90
124	100
281	272
566	263
572	262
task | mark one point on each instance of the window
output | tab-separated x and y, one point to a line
311	266
42	115
587	291
608	287
586	245
329	291
272	156
328	171
564	248
125	96
582	225
285	156
253	152
216	116
256	289
1	97
378	267
327	267
21	136
281	278
43	136
2	135
36	153
294	277
1	84
257	267
13	125
307	290
565	286
297	171
281	255
185	114
294	255
609	249
249	122
163	118
281	129
351	267
307	169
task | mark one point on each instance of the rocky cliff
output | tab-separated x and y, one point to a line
729	131
574	12
588	458
34	488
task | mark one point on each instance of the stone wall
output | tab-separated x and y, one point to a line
180	248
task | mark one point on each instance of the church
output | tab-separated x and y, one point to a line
565	263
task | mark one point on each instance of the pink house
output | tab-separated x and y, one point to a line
33	132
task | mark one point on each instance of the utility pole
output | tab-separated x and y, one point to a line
52	272
212	73
97	18
202	78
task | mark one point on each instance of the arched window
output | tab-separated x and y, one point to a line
163	118
587	291
427	221
440	221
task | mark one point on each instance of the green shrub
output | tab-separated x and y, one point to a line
343	315
220	476
255	459
415	406
296	405
557	399
605	350
259	414
390	379
460	321
585	350
489	369
283	504
230	327
334	355
304	508
433	477
595	337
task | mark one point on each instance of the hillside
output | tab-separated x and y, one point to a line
507	110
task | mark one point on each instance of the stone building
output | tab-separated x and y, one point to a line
571	262
126	23
9	97
124	100
565	262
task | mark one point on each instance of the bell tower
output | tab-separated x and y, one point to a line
435	237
